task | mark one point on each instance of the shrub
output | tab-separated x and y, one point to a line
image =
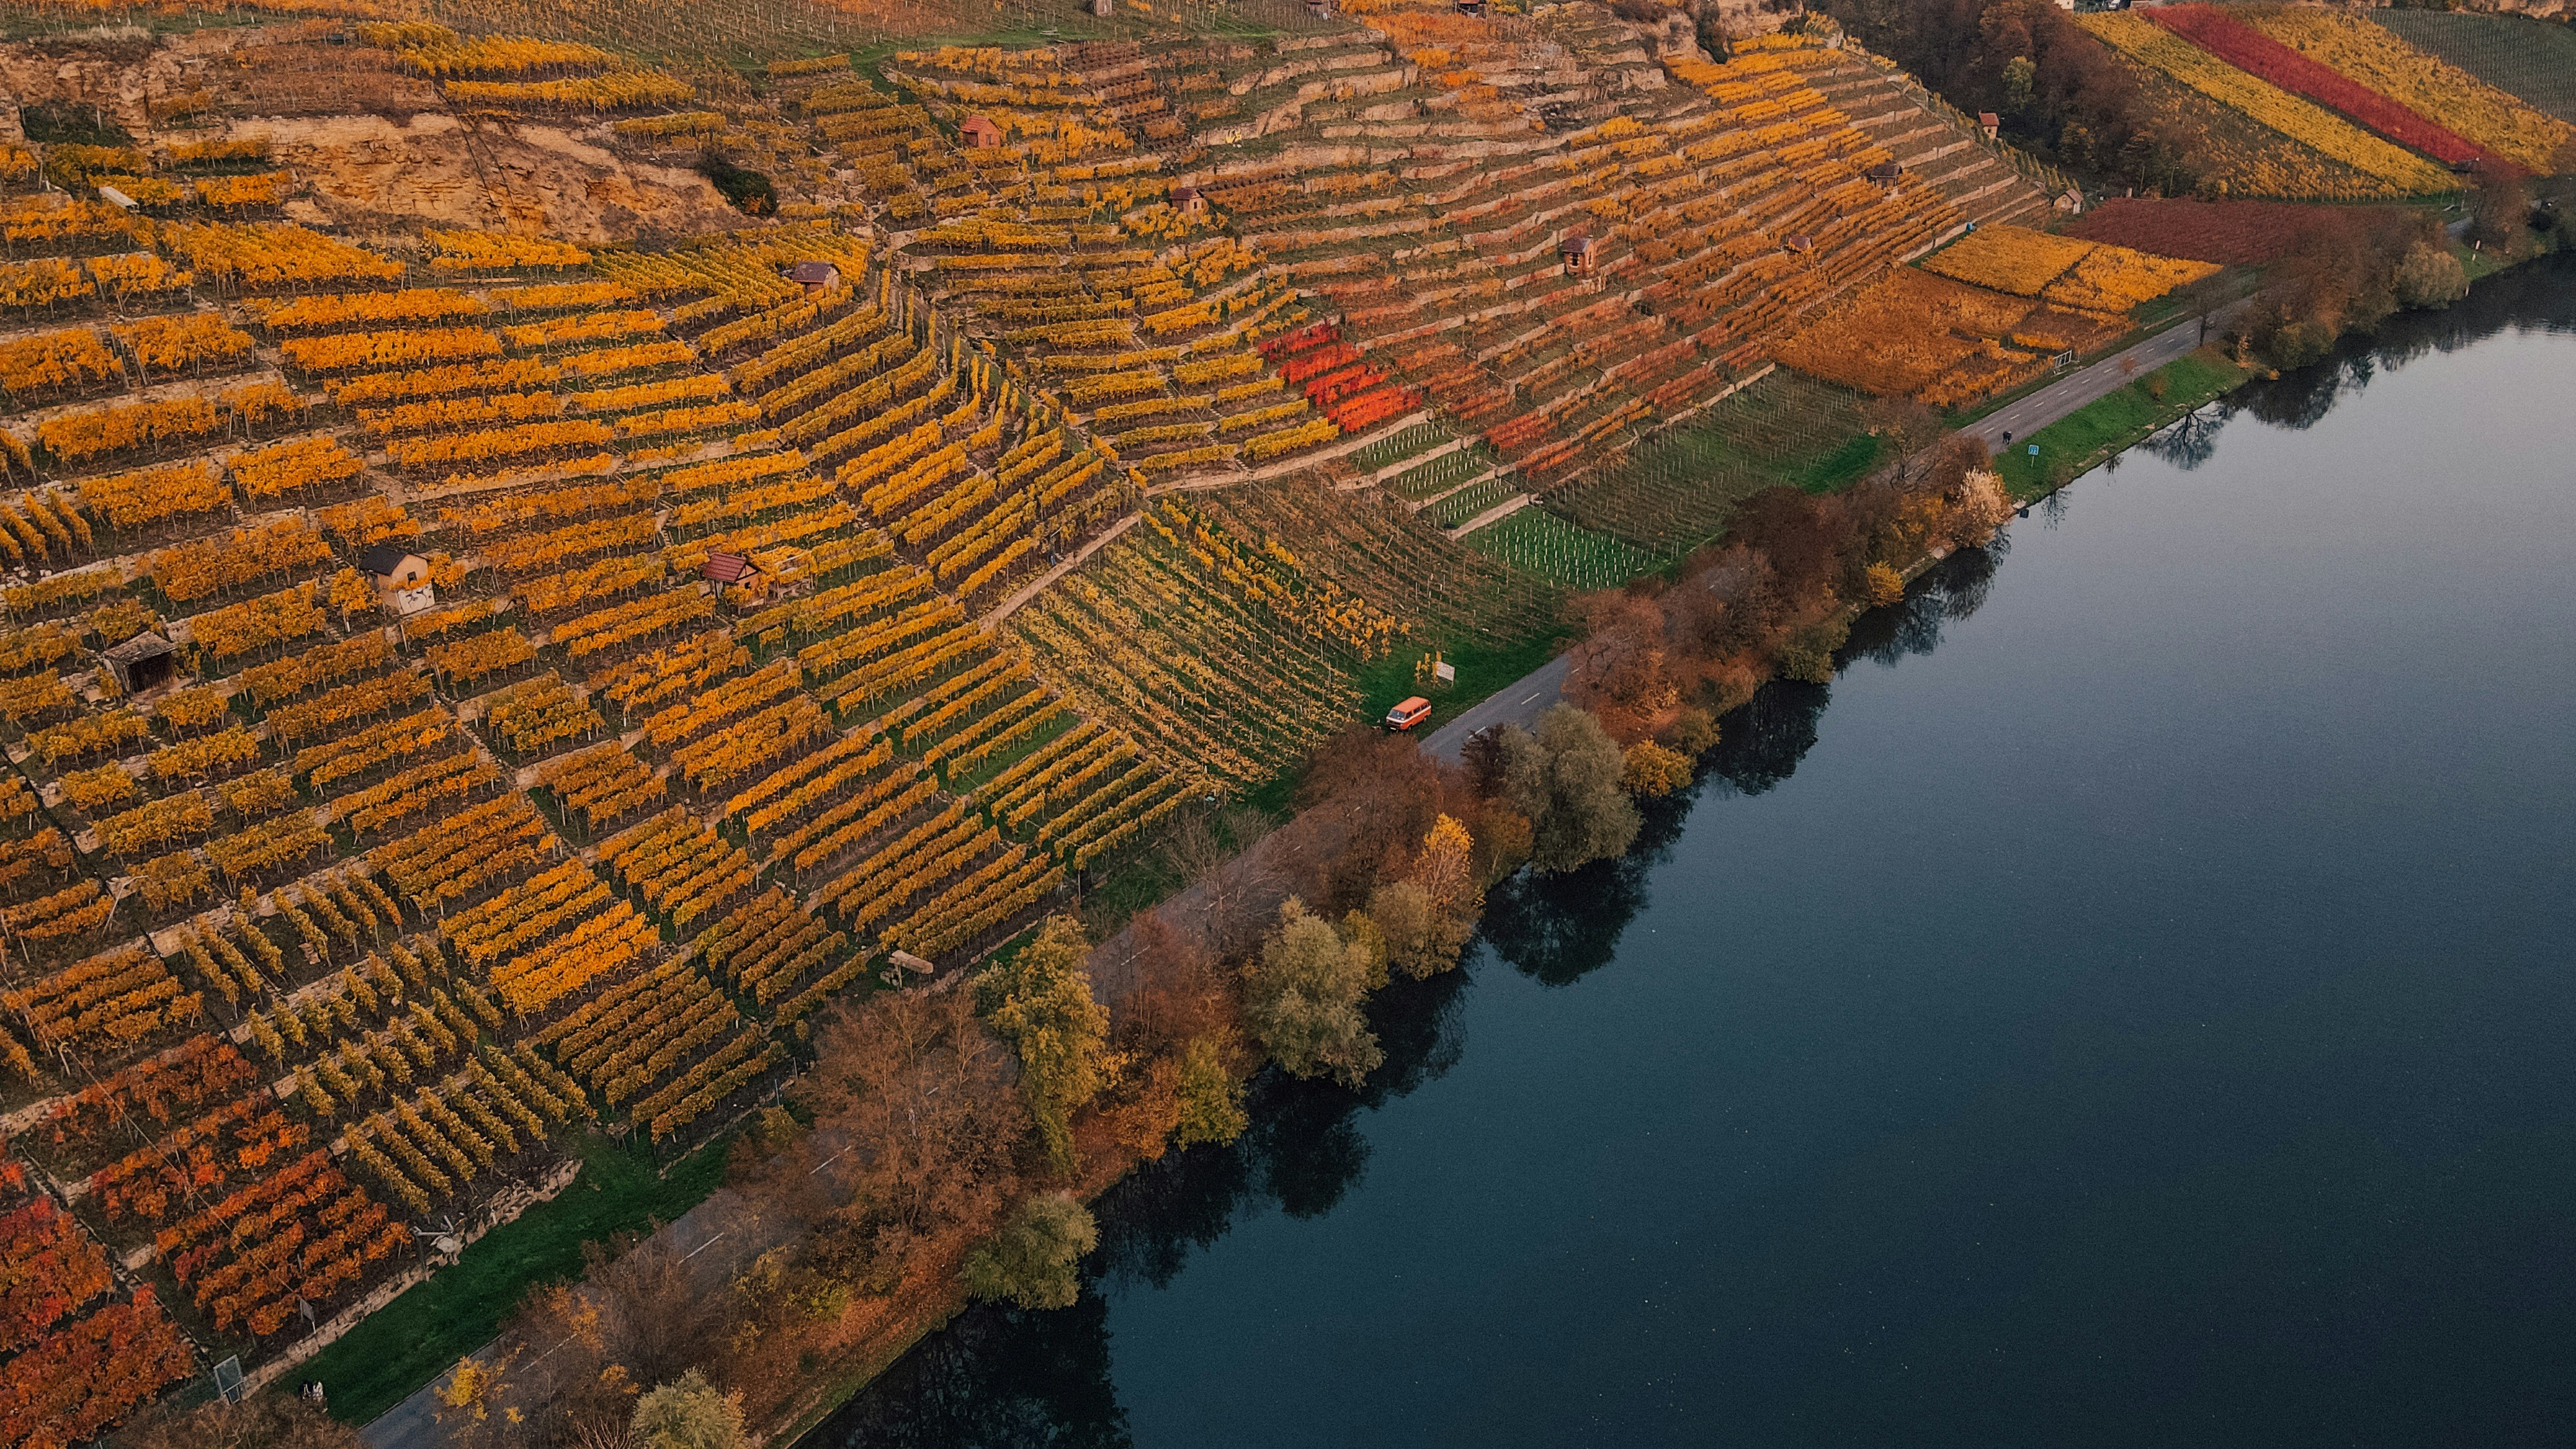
1030	1262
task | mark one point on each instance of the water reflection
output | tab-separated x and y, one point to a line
1001	1377
1006	1377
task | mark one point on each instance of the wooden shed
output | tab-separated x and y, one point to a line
1577	252
143	662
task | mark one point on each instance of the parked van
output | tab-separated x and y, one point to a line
1408	714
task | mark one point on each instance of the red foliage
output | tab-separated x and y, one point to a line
2257	54
48	1268
2240	232
1368	408
1288	344
149	1182
304	1231
77	1381
152	1093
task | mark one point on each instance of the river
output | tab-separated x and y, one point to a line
2132	1004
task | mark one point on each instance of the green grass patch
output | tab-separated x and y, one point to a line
1466	503
1420	438
1446	471
2112	422
422	1334
1677	490
1482	669
1537	541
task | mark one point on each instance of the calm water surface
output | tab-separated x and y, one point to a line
2134	1004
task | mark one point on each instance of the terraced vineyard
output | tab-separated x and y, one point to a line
2530	59
467	689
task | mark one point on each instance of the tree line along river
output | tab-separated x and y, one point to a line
2130	1005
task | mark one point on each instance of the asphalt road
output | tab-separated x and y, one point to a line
2025	416
1520	703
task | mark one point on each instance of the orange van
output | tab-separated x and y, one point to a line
1408	714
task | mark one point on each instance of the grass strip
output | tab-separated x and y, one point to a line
422	1334
2053	457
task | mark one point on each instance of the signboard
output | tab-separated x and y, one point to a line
1444	672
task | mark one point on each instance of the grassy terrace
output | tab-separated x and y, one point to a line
419	1335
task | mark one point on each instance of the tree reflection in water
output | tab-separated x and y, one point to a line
1005	1377
999	1377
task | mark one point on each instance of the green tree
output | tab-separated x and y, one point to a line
1565	778
688	1413
1040	1001
2021	77
1211	1099
1030	1262
2431	277
1302	998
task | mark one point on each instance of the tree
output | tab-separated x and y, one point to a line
1040	1001
1427	916
1302	999
1211	1099
688	1413
267	1421
917	1078
1566	779
1978	508
1167	990
2431	277
1030	1262
2499	205
1652	770
1401	911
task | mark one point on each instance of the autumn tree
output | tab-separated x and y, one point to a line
1172	990
1427	916
1565	779
927	1093
1618	671
1040	1001
1652	770
1302	998
265	1421
2431	277
1031	1261
1210	1097
689	1413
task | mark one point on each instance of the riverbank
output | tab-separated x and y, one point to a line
913	1315
2201	1038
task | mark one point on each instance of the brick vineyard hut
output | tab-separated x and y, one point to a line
981	133
731	571
1577	251
402	578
